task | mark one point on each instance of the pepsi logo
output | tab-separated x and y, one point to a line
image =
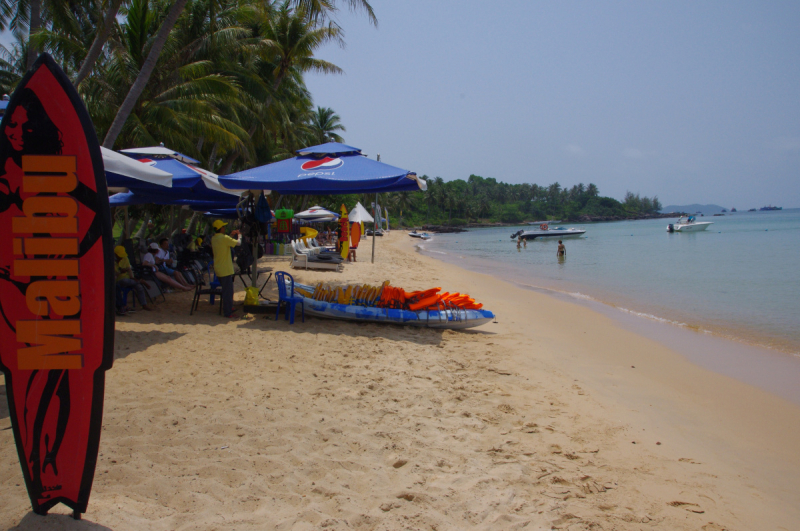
322	164
149	162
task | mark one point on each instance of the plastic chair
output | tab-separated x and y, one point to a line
289	298
214	289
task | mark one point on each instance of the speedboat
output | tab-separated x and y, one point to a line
546	231
421	235
546	222
688	225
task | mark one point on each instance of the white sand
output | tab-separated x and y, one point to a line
528	423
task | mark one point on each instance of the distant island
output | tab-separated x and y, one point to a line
695	209
709	209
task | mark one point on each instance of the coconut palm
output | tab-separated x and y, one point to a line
324	123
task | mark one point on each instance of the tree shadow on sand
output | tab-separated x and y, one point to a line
62	522
3	403
128	342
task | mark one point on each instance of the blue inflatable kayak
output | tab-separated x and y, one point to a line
450	319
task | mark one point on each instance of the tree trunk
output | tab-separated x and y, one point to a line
149	65
226	166
35	23
193	222
99	41
139	233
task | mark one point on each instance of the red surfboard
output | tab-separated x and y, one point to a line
56	286
355	235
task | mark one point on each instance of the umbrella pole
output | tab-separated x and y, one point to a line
374	215
254	271
125	227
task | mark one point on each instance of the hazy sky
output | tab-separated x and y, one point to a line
696	102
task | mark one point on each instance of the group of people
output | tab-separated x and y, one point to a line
161	265
159	261
561	252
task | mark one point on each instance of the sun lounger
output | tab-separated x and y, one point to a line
300	260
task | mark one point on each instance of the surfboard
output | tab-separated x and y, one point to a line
355	235
345	226
56	286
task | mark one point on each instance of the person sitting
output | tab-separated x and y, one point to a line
166	262
125	279
149	261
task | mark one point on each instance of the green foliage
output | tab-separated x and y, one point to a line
481	200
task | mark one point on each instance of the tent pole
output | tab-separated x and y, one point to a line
374	220
125	227
254	270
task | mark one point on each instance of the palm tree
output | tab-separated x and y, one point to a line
324	123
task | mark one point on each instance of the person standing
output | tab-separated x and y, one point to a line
221	244
562	251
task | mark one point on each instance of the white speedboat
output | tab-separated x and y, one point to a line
421	235
688	225
546	222
546	231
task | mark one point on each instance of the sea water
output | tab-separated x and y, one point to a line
738	279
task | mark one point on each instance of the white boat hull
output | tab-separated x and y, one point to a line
693	227
555	233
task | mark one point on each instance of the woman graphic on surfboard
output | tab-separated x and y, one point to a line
30	131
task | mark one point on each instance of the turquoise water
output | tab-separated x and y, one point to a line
739	279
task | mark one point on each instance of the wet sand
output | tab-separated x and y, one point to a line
555	417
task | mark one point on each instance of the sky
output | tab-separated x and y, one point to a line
694	102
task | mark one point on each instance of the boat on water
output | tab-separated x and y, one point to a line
769	208
546	231
688	224
546	222
420	235
451	317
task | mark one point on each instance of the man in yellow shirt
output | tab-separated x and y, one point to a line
222	244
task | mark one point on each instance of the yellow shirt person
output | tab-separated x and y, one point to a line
223	263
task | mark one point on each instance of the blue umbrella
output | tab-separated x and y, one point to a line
325	170
204	199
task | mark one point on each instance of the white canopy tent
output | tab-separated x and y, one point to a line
359	214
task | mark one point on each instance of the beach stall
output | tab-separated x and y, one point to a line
327	169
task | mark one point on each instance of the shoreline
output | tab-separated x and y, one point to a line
771	369
527	423
753	340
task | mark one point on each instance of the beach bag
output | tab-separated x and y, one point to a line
251	296
263	213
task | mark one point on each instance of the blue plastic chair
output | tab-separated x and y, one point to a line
289	298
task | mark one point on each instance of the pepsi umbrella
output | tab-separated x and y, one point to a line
124	172
316	214
159	151
327	169
204	199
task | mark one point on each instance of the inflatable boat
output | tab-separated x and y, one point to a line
452	319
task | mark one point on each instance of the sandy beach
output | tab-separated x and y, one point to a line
554	417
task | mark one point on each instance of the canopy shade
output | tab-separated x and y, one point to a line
162	151
317	214
203	199
360	214
331	169
124	172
